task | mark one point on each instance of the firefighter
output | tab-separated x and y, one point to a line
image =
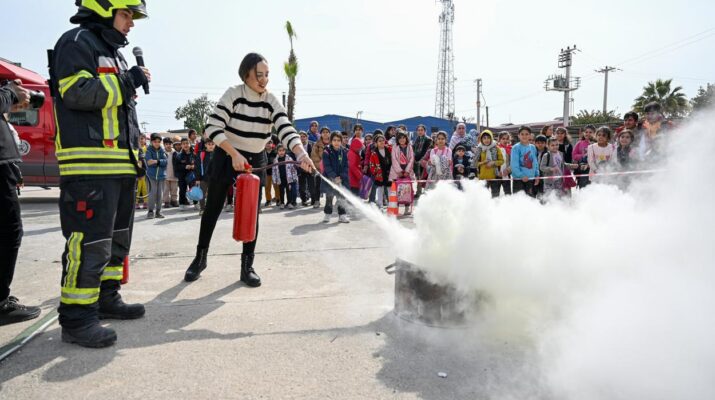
97	151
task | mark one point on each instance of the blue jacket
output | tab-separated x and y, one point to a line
335	163
524	162
156	171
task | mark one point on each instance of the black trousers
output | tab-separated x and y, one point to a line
97	218
315	197
221	178
506	185
10	228
288	193
306	186
183	188
521	186
495	187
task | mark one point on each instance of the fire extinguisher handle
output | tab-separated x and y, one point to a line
247	167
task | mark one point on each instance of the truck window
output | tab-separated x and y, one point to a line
25	118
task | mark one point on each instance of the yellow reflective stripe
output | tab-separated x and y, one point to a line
110	118
92	153
98	169
79	296
74	258
113	273
68	82
58	147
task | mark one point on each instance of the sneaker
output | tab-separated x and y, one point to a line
267	204
150	215
316	205
343	219
197	207
291	206
11	311
326	218
160	215
201	212
283	206
175	204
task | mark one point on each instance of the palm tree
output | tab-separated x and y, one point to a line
674	102
291	70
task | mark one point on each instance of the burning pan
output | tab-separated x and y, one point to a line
421	301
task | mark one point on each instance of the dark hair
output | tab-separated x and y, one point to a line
184	140
155	136
540	138
358	126
377	137
378	132
421	126
388	132
605	130
551	140
631	114
336	134
249	63
280	147
525	128
545	129
402	134
167	140
441	133
325	128
590	126
653	106
504	133
192	131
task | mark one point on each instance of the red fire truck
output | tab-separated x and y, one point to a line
36	129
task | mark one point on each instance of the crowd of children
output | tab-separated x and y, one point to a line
540	164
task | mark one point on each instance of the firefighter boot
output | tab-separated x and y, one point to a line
197	266
111	305
94	336
248	274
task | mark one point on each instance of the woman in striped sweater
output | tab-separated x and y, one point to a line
241	126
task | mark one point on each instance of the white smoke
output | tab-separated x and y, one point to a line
615	289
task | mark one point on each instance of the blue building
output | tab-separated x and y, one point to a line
343	123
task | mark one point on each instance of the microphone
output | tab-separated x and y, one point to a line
139	54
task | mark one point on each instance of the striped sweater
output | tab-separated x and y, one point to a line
244	118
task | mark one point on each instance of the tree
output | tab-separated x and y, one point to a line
674	102
196	113
594	117
704	99
291	70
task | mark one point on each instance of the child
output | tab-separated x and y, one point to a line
541	149
600	153
380	165
461	164
305	179
156	161
141	182
171	183
354	160
552	165
335	166
286	177
625	151
439	160
524	165
317	156
579	155
505	171
489	161
566	149
271	186
403	162
205	157
184	166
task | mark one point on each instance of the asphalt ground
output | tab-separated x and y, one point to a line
320	327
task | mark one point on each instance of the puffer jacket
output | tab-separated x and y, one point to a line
354	161
156	171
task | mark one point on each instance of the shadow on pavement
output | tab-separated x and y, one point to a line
166	322
301	230
38	232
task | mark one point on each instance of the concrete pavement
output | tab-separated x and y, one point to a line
320	327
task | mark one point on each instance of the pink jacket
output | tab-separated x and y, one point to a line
579	151
396	171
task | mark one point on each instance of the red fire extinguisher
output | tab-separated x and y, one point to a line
245	210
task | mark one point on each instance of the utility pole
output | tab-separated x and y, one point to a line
487	107
144	124
359	114
479	105
605	70
565	84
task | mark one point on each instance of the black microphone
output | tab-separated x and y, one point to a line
139	54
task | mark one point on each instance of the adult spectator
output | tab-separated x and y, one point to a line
459	135
13	97
630	122
313	134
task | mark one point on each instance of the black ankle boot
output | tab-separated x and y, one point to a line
248	274
198	265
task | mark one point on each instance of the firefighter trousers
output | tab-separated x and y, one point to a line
97	217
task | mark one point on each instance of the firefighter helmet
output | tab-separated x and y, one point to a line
106	8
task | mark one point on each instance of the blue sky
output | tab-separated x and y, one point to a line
380	56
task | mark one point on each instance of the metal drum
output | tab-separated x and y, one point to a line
421	301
